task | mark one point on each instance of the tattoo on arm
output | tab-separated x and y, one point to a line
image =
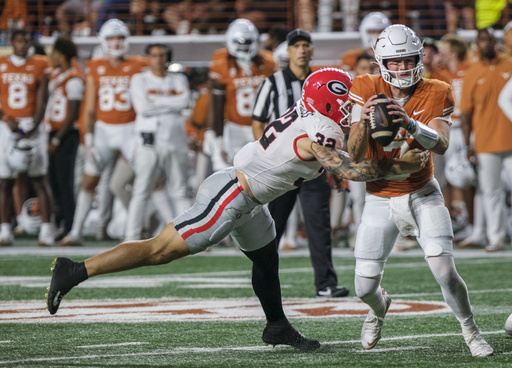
339	164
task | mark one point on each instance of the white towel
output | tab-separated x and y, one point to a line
402	215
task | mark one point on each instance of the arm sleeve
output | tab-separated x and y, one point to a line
175	102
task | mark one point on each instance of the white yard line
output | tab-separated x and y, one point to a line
112	345
241	348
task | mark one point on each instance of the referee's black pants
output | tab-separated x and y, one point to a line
314	198
61	172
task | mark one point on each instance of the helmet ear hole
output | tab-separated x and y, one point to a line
328	108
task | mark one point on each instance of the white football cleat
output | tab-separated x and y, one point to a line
508	325
6	240
477	345
46	239
372	326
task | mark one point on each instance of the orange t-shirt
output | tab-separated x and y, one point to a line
241	89
431	99
57	109
19	84
113	104
481	88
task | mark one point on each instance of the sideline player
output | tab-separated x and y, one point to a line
293	148
371	26
158	98
109	115
66	90
410	204
236	73
23	97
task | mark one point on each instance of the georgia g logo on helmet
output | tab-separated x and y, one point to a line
338	88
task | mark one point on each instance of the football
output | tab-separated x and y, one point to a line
382	129
508	325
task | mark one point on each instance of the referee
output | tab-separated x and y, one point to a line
277	93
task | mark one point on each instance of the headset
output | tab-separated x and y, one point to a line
167	50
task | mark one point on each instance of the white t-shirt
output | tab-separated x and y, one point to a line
159	103
272	165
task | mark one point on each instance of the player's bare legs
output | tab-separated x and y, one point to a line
45	198
164	248
6	202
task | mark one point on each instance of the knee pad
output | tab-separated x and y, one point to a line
435	247
369	268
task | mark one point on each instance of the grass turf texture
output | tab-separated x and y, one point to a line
408	341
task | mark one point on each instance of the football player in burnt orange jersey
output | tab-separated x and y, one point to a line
23	96
109	119
235	74
410	204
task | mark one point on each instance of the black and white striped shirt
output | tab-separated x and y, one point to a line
276	94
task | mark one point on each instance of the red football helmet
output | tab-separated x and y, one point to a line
326	91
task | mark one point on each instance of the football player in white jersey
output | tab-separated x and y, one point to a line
158	98
293	148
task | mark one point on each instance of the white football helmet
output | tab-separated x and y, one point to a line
111	28
398	41
281	56
30	216
19	155
459	172
242	39
371	25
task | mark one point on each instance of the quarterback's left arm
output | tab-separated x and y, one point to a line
339	164
435	136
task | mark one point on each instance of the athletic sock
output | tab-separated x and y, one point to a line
265	280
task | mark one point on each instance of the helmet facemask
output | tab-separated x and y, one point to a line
242	39
114	38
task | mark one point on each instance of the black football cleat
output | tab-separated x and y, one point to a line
282	333
64	278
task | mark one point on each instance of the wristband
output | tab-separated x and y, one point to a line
88	139
425	135
412	125
55	141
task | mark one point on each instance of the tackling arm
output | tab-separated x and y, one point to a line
339	164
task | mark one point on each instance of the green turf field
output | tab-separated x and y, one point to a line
201	312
